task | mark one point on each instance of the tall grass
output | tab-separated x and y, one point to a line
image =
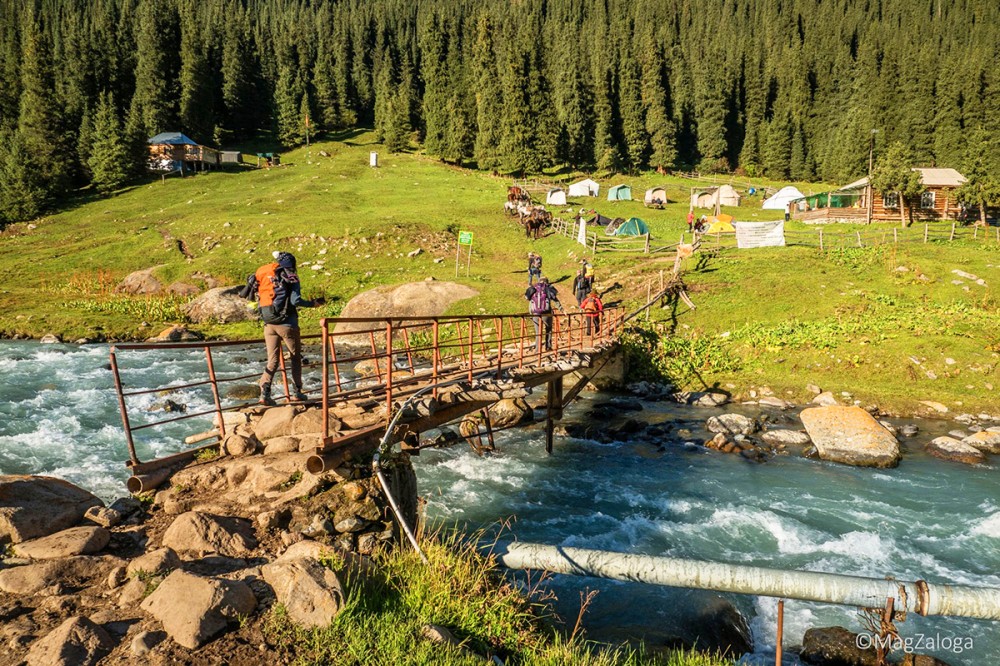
460	589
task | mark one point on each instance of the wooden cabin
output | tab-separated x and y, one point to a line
850	203
173	151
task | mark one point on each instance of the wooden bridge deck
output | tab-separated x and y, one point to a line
415	373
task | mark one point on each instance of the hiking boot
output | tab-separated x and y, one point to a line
265	396
299	396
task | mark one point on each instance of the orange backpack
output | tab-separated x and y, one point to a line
267	280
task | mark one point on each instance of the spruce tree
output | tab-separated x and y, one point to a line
633	114
982	187
659	126
24	194
155	102
489	96
893	174
109	159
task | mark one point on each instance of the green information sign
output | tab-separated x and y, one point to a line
465	238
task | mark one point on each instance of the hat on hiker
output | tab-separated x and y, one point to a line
284	259
543	279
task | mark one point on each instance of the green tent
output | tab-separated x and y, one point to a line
632	227
620	193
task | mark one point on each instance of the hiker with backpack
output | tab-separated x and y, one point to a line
581	287
277	290
540	298
534	267
592	307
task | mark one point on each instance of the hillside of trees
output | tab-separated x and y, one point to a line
785	88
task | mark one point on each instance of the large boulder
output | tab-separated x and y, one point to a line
140	282
510	412
835	646
194	609
197	534
949	448
35	506
67	543
413	299
67	572
156	562
221	305
310	592
785	436
850	435
275	422
75	642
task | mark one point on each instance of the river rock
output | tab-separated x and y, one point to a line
935	406
67	543
75	642
850	435
949	448
35	506
785	436
159	561
921	660
825	399
985	441
33	578
275	422
140	282
719	626
773	401
221	305
511	412
194	609
241	442
50	339
835	646
701	398
310	422
909	430
176	333
199	534
286	444
311	593
731	424
103	516
145	641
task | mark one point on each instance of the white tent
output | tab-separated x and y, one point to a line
584	188
556	197
706	198
782	198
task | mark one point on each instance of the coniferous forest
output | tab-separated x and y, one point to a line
783	88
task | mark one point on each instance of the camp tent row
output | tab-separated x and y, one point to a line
724	195
556	197
655	196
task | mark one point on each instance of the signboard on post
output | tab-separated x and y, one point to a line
464	238
759	234
581	234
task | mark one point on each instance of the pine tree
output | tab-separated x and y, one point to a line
633	114
23	192
196	110
659	127
777	147
893	173
39	122
489	112
154	104
982	187
109	159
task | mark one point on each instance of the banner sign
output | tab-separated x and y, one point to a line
759	234
581	234
465	238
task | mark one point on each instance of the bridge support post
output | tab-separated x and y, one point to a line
553	410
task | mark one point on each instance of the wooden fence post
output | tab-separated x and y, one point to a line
926	227
952	236
895	236
646	249
860	244
595	242
821	239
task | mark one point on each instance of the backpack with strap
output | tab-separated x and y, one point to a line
539	301
536	262
273	293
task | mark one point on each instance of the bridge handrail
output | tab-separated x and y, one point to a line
452	346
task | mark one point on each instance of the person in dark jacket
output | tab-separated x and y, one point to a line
534	267
279	296
581	287
541	297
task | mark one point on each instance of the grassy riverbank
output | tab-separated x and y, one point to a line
849	320
385	616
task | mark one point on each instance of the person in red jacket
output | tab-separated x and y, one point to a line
592	307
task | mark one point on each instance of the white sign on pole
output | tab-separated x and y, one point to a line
759	234
581	234
373	159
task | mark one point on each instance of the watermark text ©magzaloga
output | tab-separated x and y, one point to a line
916	643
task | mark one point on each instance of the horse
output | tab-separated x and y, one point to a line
538	220
510	208
515	194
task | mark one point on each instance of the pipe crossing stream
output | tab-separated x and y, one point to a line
919	596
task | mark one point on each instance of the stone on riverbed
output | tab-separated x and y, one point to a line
701	398
949	448
732	424
75	642
985	441
67	543
35	506
779	436
850	435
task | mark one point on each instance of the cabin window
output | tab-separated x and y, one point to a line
890	200
927	200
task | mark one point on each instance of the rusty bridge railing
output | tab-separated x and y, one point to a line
383	359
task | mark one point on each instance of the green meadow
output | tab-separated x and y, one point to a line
886	324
